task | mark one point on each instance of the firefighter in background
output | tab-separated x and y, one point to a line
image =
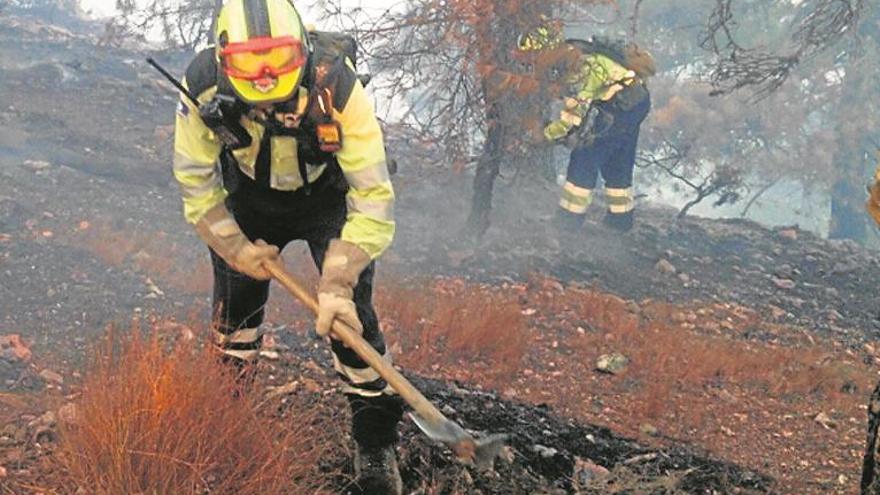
291	177
605	103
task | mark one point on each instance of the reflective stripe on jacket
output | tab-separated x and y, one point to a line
599	79
370	224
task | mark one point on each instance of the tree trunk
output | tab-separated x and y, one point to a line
506	112
488	168
848	198
871	466
848	217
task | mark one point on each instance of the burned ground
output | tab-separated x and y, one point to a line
747	345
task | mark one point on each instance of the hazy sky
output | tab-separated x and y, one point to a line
99	8
105	8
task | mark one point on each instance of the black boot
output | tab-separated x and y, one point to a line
374	428
377	471
243	372
622	222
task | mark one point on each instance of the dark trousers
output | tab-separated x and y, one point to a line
281	217
612	151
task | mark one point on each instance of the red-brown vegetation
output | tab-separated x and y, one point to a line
715	375
152	254
166	417
475	329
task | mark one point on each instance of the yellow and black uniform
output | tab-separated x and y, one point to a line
621	103
607	144
285	185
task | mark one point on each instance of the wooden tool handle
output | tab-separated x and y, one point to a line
351	338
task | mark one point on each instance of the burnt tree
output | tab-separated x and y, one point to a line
455	65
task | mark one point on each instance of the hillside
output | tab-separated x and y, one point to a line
750	350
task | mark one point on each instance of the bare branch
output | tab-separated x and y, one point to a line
738	67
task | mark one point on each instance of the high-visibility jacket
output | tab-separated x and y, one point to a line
370	198
599	79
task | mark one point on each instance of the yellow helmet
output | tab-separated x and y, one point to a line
262	48
545	37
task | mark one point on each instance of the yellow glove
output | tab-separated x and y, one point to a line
343	264
222	234
557	130
873	204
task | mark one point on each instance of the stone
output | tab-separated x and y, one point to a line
784	283
641	458
665	267
48	419
777	312
52	377
37	165
153	288
587	472
13	347
507	454
68	414
613	364
544	451
790	234
825	420
649	429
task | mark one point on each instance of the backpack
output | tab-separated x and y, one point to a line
327	46
330	50
626	53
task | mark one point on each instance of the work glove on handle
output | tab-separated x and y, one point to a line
222	234
556	131
343	264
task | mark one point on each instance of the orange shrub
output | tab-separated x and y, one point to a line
450	323
165	418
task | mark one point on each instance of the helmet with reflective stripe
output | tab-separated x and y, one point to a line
262	48
541	38
547	35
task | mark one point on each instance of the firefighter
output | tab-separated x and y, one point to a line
604	105
306	162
